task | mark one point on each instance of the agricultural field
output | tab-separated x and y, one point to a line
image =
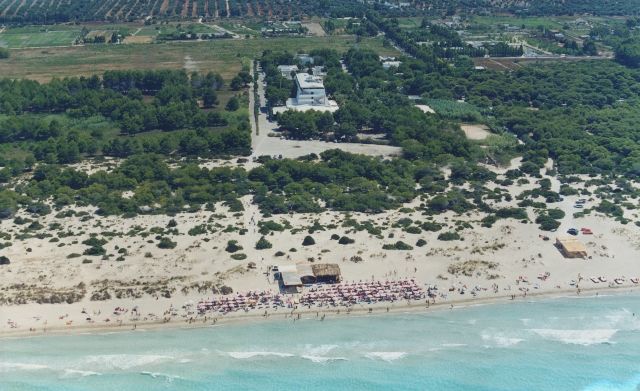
21	39
222	56
61	11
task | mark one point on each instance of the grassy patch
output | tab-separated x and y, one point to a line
19	39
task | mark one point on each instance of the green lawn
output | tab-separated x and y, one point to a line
148	32
15	39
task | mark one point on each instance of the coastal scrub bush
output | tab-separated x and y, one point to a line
4	260
268	226
279	254
293	250
166	243
421	242
200	229
74	255
172	223
308	241
346	240
448	236
547	223
609	208
239	256
413	230
263	244
556	213
431	226
335	237
94	251
87	261
399	245
232	246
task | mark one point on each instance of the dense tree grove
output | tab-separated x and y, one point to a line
119	96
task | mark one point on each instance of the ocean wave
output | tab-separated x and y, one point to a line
17	366
124	361
385	356
322	360
243	355
578	337
453	345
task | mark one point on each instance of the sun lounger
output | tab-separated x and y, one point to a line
594	280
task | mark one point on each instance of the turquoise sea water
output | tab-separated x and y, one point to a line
555	344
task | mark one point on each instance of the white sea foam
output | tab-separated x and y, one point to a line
243	355
322	360
319	351
17	366
184	360
75	372
124	361
168	379
453	345
578	337
508	341
385	356
155	374
500	339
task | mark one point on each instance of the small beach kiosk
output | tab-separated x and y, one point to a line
571	247
294	277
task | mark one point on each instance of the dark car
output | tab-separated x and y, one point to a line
572	231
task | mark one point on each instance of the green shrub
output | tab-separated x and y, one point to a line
269	225
421	242
293	250
94	251
87	261
431	226
547	223
413	230
399	245
166	243
198	230
279	254
335	237
239	256
262	244
448	236
346	240
74	255
232	246
556	213
308	241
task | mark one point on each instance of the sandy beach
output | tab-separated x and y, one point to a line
44	288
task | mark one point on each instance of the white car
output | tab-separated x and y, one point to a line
579	206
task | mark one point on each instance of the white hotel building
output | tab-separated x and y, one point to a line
310	95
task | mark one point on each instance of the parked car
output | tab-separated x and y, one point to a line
572	231
581	201
579	206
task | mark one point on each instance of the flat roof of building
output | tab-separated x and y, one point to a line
571	244
306	81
